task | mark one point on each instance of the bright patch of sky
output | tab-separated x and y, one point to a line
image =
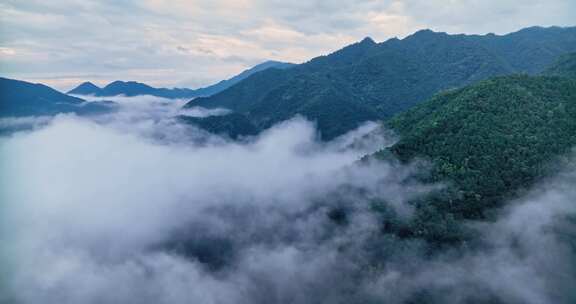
192	43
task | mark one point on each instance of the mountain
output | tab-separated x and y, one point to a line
225	84
488	142
130	88
565	66
86	88
20	98
133	88
532	49
377	80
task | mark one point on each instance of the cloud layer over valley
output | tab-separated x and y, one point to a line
135	207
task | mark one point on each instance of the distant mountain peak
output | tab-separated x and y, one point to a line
537	28
428	35
267	64
367	40
21	98
364	79
348	53
88	84
541	31
120	83
270	62
425	32
85	88
135	88
225	84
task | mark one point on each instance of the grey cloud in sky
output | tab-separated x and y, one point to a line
197	42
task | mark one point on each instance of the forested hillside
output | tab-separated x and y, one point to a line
565	67
381	79
489	142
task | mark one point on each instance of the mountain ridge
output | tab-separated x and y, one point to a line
85	88
20	98
490	139
134	88
389	77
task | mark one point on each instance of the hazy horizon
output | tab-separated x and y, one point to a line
101	83
197	43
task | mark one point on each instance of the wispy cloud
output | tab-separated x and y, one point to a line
134	207
193	43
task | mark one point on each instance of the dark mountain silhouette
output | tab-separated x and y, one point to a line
20	98
225	84
369	80
86	88
130	89
133	88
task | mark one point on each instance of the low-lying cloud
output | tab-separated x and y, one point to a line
19	123
135	207
203	112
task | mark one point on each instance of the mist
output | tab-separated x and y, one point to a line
136	207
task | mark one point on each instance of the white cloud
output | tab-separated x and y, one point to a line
109	190
97	210
275	33
202	112
194	43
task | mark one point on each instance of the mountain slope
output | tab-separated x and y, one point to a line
20	98
318	98
392	76
491	140
530	50
225	84
565	67
86	88
244	95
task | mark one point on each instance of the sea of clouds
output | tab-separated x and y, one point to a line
135	207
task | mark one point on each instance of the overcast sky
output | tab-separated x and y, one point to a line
196	42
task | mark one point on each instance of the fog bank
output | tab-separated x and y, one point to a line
135	207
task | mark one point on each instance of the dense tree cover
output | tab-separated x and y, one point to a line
316	98
488	142
565	67
233	125
225	84
242	96
382	79
532	49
